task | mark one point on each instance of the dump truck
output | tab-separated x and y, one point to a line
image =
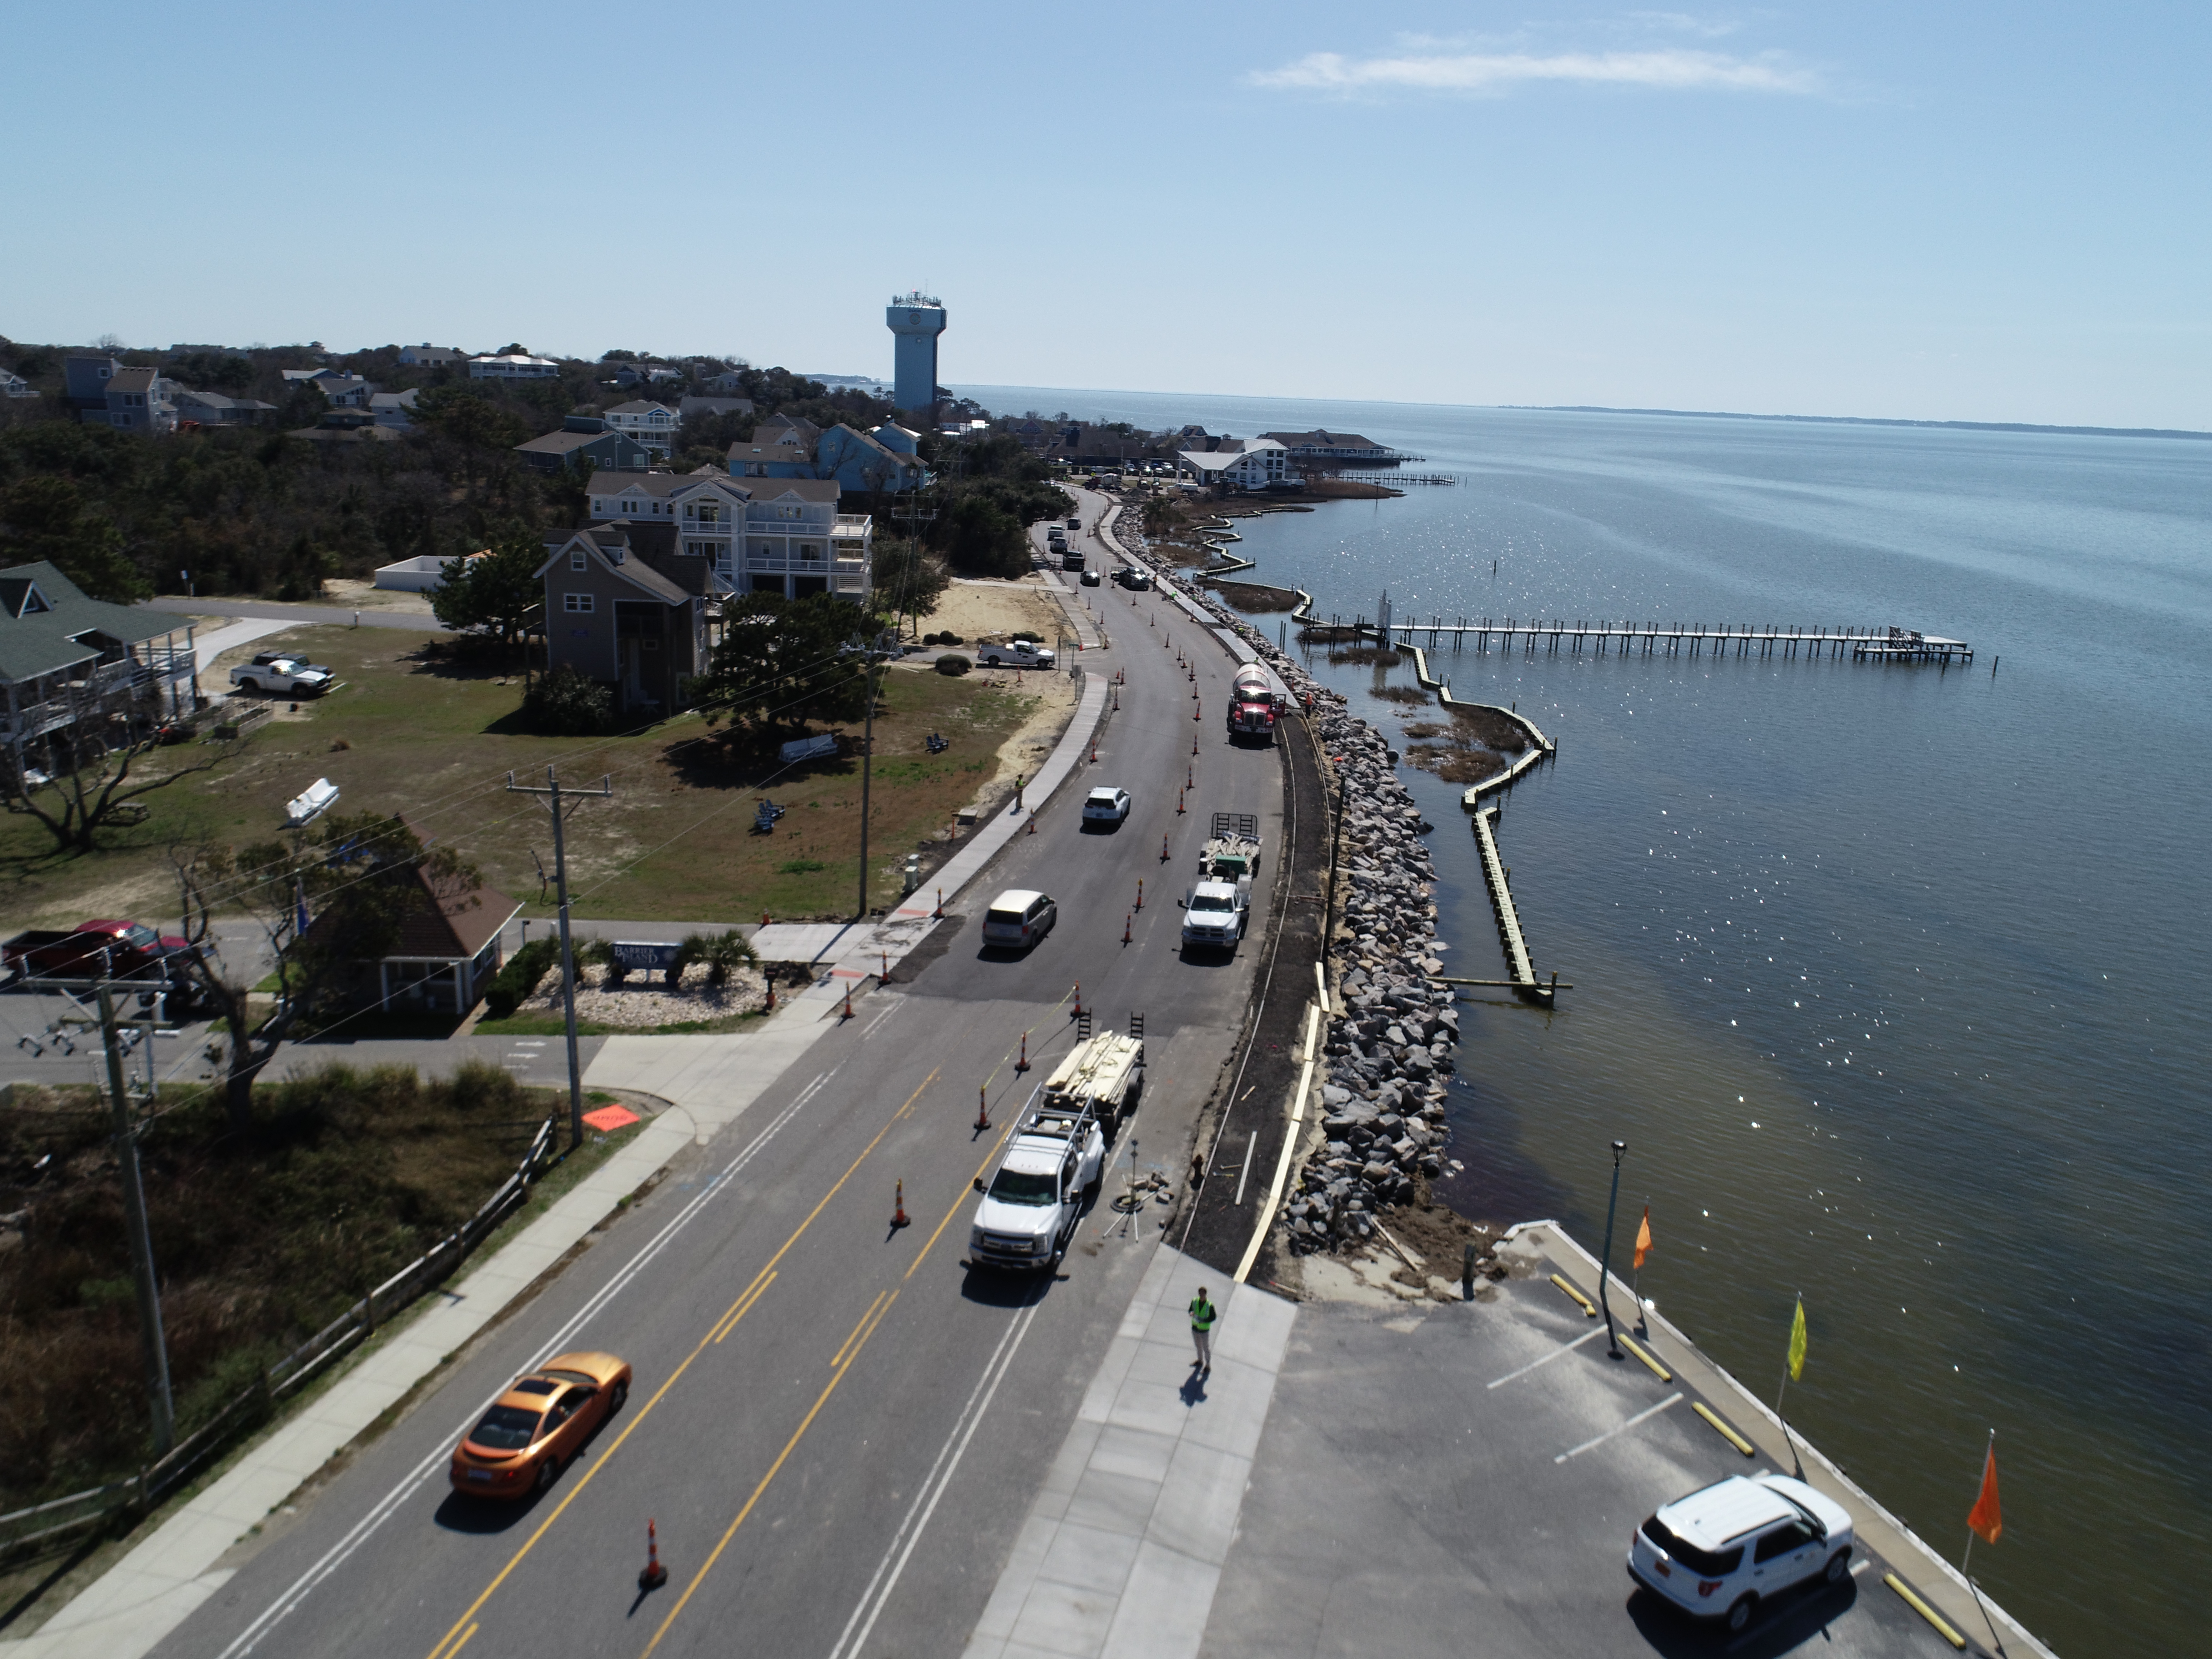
1105	1075
1256	697
1051	1169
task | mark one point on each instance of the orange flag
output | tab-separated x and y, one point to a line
1644	1237
1985	1518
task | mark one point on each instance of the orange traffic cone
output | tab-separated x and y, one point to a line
848	1014
983	1108
1190	777
1033	821
1125	929
899	1218
764	922
1140	892
1077	1011
884	977
1022	1064
1179	795
654	1574
939	915
1193	742
769	1007
1163	840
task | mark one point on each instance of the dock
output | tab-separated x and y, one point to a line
1885	644
1526	984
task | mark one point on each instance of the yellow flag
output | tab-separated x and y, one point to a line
1797	1342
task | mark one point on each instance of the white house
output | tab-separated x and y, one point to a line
651	424
13	385
1241	464
757	535
393	409
515	366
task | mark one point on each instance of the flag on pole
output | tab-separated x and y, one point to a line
1985	1519
1797	1342
1644	1237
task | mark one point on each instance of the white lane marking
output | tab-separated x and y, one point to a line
1549	1357
1245	1174
385	1507
1623	1428
869	1029
941	1476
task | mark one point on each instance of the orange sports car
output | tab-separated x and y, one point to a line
540	1423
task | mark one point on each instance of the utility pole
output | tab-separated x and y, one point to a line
142	1242
1605	1255
552	793
867	759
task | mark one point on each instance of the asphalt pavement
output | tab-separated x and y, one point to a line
832	1416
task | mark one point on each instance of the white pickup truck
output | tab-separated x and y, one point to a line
1014	654
1052	1167
1214	913
285	676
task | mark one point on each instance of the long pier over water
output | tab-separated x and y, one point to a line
1649	639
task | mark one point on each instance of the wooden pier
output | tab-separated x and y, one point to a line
1526	984
1650	639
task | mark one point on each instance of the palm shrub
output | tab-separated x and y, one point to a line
723	953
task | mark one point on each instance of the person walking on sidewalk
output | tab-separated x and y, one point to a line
1202	1315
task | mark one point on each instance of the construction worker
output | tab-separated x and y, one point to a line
1202	1315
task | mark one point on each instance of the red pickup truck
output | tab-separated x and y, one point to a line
92	950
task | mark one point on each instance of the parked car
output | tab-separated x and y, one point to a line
1106	805
264	658
1015	654
543	1420
1018	918
287	676
1721	1551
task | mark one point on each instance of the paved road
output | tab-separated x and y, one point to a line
833	1420
330	615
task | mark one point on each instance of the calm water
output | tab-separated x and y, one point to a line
1894	980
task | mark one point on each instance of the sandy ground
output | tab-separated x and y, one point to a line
367	596
643	1008
972	608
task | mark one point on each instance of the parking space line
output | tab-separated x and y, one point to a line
1623	1428
1545	1360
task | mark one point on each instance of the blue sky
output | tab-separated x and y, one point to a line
1969	211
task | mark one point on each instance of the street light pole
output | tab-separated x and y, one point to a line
552	792
1605	1256
142	1242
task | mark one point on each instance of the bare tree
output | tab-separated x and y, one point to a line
96	774
357	876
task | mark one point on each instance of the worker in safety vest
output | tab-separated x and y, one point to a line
1202	1315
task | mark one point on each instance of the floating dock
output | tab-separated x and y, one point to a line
1650	639
1526	984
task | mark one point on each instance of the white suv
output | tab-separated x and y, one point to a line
1106	805
1719	1551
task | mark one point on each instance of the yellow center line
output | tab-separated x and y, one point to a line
463	1643
449	1644
759	1289
838	1357
960	1200
883	1307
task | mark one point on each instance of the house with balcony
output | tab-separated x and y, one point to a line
781	536
80	672
1346	448
863	462
584	438
513	365
651	424
623	609
139	400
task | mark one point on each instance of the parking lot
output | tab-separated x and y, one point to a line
1465	1477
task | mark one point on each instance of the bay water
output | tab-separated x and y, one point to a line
1895	979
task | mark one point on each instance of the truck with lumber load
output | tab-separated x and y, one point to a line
1051	1167
1257	697
1231	851
1104	1074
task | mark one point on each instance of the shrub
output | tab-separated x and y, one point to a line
953	663
519	977
1034	638
565	704
721	952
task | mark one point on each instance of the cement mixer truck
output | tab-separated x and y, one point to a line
1256	697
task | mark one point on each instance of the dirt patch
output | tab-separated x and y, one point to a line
1255	597
972	608
368	596
1350	490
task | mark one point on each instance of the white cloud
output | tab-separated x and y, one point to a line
1671	70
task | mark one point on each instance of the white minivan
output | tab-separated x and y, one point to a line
1018	918
1725	1547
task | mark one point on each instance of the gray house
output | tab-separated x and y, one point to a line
213	409
74	668
585	438
622	607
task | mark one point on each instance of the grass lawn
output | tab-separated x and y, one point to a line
433	738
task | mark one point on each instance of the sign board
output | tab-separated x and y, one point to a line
631	955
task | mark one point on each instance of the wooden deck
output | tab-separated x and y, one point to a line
1659	638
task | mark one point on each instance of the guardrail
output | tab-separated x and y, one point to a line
29	1532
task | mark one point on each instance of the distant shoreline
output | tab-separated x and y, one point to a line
1867	420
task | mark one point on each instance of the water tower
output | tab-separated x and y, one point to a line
917	319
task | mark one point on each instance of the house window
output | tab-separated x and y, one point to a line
577	603
576	561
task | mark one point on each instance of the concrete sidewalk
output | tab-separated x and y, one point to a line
1123	1549
710	1082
